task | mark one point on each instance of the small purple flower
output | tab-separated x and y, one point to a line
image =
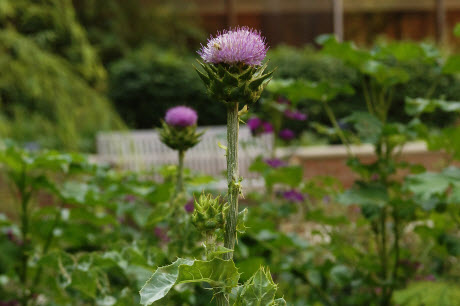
375	177
161	233
326	199
130	198
295	115
190	206
283	100
287	134
430	278
275	162
254	124
267	127
181	116
293	196
239	45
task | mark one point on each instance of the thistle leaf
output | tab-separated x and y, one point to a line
258	290
220	274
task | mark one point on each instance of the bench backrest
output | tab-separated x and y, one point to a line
142	150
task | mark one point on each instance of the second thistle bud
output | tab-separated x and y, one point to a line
179	128
209	213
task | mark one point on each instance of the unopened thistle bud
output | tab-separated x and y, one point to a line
209	213
179	128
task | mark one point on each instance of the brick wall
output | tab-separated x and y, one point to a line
331	160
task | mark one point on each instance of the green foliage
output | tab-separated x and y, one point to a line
258	290
428	293
457	29
150	80
52	25
55	107
115	27
220	274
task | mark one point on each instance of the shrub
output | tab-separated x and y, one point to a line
44	101
150	80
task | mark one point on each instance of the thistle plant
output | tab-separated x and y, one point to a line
179	133
234	75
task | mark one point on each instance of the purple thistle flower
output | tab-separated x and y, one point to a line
181	116
295	115
293	196
239	45
275	163
267	127
287	134
254	124
190	206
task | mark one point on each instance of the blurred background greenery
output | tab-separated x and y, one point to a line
72	68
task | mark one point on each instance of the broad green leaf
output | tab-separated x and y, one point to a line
448	139
162	281
419	105
365	194
368	127
452	65
291	176
429	184
428	293
221	274
345	51
341	275
297	90
457	30
259	290
384	74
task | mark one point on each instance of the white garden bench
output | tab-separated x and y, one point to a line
142	150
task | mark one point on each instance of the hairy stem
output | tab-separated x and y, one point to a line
222	299
232	178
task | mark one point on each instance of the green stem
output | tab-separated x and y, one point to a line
232	178
46	247
367	98
222	299
25	197
396	251
180	173
333	120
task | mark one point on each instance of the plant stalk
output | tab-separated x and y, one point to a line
232	178
180	173
234	189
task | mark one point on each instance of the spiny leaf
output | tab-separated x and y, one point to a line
258	290
220	274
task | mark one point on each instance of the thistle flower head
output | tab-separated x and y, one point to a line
239	45
181	116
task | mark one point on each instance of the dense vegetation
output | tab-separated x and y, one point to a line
77	233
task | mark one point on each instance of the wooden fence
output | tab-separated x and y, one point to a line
298	22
